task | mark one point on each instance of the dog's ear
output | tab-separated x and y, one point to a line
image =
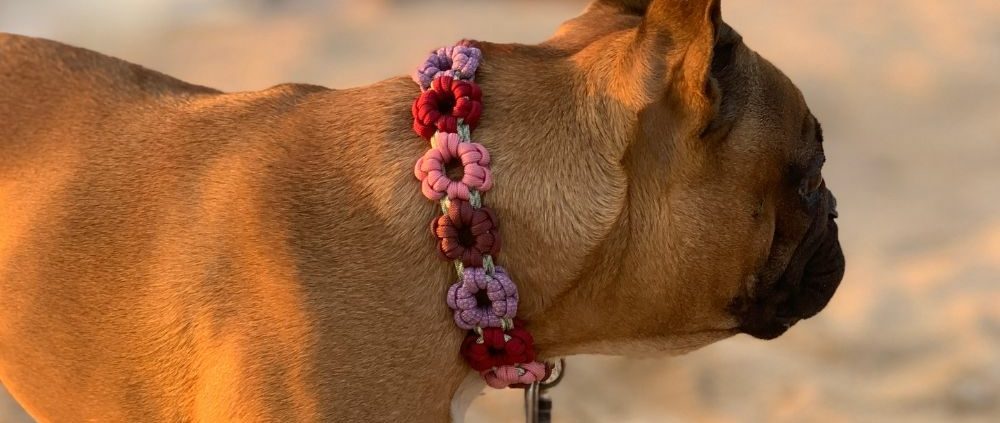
682	35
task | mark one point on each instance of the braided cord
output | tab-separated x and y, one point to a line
446	113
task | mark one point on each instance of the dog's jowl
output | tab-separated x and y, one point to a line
169	252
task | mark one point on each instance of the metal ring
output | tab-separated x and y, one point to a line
555	375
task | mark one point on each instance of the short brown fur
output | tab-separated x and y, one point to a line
169	252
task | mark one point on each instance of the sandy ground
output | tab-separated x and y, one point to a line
912	121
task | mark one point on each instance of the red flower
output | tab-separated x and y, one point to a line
498	348
448	100
466	234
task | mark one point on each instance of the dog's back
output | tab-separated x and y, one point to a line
92	153
150	224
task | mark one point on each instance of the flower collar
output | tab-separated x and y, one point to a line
484	299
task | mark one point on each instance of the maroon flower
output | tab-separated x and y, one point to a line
466	234
448	100
495	348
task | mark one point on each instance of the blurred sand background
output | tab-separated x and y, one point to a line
909	95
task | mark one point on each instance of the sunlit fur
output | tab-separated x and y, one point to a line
170	252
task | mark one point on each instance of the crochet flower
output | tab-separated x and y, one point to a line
466	234
518	374
495	348
483	300
446	149
448	100
459	62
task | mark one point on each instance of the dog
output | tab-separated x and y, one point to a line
169	252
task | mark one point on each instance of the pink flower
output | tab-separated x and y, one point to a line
447	149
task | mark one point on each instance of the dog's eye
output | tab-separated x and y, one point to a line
814	182
809	189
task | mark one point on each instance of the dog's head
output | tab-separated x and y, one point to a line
722	222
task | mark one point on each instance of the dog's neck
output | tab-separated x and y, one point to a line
552	239
605	133
561	193
563	150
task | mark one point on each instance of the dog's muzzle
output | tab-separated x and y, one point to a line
806	285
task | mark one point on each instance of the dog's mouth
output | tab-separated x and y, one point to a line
802	289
